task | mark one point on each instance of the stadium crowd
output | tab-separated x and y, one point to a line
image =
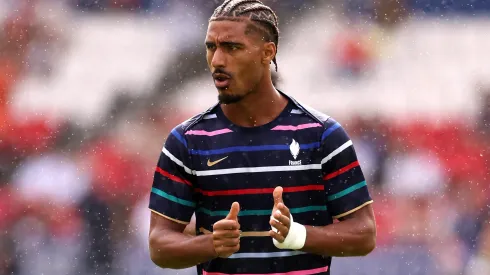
73	200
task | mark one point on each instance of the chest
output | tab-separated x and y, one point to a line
260	160
247	168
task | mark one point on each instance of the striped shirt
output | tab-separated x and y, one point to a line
207	163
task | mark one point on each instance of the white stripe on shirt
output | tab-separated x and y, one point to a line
337	151
258	169
177	161
210	116
265	255
240	170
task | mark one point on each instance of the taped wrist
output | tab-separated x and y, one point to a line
296	237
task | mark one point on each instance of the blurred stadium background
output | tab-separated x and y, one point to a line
89	90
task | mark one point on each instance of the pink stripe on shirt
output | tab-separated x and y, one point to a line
295	128
209	134
298	272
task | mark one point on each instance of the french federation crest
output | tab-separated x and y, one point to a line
294	148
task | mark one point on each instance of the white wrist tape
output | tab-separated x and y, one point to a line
296	237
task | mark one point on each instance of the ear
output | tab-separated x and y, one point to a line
269	52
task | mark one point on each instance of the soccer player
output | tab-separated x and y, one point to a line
265	175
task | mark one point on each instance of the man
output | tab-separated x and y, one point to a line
265	175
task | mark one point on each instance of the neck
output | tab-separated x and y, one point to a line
258	108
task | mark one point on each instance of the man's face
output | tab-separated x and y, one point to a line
234	58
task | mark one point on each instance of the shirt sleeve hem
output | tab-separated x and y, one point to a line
353	210
169	218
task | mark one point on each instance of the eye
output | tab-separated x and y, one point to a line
232	46
210	47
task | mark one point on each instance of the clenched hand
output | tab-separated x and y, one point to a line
226	233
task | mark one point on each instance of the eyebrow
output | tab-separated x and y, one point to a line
224	43
231	43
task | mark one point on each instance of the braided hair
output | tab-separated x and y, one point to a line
255	10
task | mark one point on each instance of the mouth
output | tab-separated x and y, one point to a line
221	81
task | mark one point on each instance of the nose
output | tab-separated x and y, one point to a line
219	59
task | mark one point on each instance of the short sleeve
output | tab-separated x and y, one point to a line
172	192
344	181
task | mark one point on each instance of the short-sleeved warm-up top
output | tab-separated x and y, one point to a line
207	163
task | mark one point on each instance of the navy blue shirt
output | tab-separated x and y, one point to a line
207	163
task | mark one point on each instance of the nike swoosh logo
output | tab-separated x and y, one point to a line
211	163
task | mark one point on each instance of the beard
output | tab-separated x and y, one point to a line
229	99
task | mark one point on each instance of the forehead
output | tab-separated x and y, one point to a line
226	30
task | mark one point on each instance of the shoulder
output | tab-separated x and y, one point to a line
188	124
176	140
331	127
314	114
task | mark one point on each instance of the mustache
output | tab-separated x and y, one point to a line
221	71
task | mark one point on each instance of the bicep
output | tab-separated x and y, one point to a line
362	222
364	214
161	225
190	229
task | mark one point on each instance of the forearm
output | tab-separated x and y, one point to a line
178	250
347	238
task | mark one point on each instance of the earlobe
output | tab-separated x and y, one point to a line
269	53
267	59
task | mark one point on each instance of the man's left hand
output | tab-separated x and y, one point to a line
281	213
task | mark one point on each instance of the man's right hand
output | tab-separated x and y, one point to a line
226	233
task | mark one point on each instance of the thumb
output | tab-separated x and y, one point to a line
233	215
277	194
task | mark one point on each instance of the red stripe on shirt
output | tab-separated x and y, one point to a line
260	190
297	272
172	177
341	170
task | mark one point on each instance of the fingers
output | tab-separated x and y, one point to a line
277	194
226	251
282	229
226	233
277	236
282	223
221	234
226	225
224	245
281	218
283	213
233	214
226	242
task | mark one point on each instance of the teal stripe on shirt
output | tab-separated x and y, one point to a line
346	191
172	198
267	212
